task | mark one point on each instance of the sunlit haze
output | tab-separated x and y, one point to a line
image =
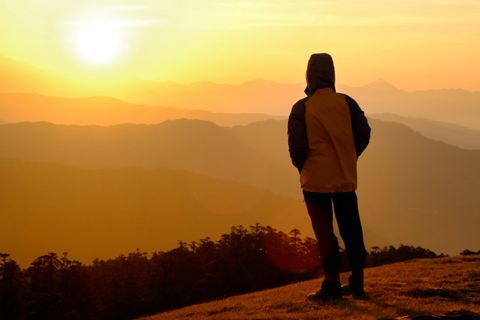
98	42
160	153
413	44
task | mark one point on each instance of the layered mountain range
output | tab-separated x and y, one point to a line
99	176
403	178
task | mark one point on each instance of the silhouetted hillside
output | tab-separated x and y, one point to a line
257	96
251	96
418	188
459	106
99	213
403	176
16	107
442	131
198	146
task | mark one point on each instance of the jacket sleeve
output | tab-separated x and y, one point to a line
297	135
360	127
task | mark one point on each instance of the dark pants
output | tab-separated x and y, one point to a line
319	206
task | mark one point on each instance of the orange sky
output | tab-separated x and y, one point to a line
413	44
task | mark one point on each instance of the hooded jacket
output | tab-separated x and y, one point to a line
327	132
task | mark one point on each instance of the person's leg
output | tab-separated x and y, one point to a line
319	207
350	227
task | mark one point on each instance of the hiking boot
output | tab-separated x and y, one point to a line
323	295
330	290
346	290
360	295
355	286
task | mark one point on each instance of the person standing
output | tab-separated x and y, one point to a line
327	132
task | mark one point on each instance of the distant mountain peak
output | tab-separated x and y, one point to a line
257	81
381	84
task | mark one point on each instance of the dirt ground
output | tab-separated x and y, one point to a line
404	290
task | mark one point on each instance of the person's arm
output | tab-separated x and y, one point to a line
360	127
297	135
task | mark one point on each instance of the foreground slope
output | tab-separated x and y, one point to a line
404	290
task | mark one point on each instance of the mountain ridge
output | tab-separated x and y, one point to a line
450	133
105	110
101	212
260	96
400	175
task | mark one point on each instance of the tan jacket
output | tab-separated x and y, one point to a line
331	163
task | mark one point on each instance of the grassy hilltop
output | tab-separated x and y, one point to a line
439	286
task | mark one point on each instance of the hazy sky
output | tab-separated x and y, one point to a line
419	44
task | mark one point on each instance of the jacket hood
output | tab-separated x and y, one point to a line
320	73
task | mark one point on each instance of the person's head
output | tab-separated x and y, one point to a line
320	72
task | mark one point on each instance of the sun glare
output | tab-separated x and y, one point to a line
98	42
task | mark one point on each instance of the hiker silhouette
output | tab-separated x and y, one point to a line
327	132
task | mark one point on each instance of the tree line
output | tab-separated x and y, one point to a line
244	260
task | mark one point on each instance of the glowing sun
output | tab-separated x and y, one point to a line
98	42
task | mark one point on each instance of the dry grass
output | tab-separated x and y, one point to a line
408	289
